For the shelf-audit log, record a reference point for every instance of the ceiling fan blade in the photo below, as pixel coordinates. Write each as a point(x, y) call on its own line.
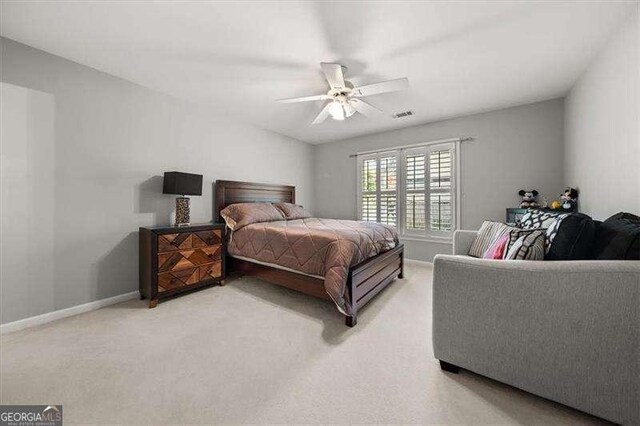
point(304, 99)
point(364, 108)
point(323, 114)
point(382, 87)
point(334, 75)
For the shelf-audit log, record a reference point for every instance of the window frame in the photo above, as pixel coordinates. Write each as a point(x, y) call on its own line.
point(401, 189)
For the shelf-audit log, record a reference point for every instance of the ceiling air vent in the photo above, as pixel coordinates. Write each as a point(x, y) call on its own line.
point(403, 114)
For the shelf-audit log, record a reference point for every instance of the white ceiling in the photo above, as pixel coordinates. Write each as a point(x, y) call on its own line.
point(460, 57)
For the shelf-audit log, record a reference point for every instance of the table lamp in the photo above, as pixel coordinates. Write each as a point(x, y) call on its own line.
point(182, 184)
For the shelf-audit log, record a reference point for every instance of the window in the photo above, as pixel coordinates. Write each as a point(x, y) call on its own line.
point(412, 188)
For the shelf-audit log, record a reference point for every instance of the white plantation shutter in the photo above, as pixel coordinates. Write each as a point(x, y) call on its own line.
point(369, 185)
point(415, 208)
point(440, 187)
point(415, 179)
point(413, 188)
point(440, 214)
point(388, 189)
point(378, 201)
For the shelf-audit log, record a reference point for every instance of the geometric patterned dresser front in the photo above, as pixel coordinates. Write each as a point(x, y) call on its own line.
point(178, 259)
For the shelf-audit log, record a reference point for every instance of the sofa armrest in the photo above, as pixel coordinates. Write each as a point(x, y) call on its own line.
point(565, 330)
point(462, 241)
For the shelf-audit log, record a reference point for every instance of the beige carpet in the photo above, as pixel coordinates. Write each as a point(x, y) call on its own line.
point(251, 352)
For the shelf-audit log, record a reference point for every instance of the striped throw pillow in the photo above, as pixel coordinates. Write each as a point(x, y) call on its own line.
point(489, 232)
point(526, 245)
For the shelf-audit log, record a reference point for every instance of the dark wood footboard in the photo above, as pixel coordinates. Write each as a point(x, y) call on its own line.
point(365, 279)
point(371, 276)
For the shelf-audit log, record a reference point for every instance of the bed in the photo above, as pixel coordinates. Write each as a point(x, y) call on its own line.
point(361, 281)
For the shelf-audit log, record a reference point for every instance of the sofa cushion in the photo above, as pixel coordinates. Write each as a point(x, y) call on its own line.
point(618, 238)
point(526, 245)
point(489, 232)
point(573, 239)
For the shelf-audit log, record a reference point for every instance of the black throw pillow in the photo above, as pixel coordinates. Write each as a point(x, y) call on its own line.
point(574, 239)
point(618, 238)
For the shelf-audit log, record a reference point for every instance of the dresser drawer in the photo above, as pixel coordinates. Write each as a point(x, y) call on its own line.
point(184, 259)
point(185, 277)
point(189, 240)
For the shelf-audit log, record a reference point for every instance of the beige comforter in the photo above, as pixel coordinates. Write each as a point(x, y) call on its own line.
point(323, 247)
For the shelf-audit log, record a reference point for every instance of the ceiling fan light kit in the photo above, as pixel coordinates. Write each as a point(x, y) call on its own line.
point(344, 97)
point(336, 110)
point(340, 108)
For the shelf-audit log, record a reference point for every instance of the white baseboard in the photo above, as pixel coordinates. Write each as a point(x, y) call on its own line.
point(64, 313)
point(418, 262)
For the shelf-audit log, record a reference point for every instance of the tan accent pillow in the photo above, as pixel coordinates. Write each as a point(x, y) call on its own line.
point(526, 245)
point(242, 214)
point(292, 211)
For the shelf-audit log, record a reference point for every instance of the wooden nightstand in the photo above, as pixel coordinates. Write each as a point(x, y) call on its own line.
point(174, 260)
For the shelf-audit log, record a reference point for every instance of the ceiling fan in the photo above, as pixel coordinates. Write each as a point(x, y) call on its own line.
point(344, 97)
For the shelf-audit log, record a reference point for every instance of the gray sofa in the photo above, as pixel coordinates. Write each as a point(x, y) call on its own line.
point(566, 330)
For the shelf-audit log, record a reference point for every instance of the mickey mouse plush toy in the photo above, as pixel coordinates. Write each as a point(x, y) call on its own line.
point(569, 199)
point(528, 199)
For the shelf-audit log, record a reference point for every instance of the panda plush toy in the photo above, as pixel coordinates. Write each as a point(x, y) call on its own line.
point(528, 199)
point(569, 199)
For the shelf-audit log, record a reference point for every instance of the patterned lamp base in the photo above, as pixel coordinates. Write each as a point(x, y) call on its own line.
point(183, 211)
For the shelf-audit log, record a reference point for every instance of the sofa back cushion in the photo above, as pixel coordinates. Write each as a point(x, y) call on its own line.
point(573, 239)
point(618, 238)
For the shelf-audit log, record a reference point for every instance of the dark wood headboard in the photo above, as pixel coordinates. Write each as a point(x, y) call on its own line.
point(230, 192)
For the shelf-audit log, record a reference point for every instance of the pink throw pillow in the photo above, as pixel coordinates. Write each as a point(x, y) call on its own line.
point(496, 250)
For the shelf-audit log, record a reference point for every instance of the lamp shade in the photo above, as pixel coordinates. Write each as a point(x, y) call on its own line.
point(182, 183)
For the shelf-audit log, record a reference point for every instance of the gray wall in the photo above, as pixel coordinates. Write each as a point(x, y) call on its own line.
point(515, 148)
point(82, 156)
point(83, 152)
point(602, 142)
